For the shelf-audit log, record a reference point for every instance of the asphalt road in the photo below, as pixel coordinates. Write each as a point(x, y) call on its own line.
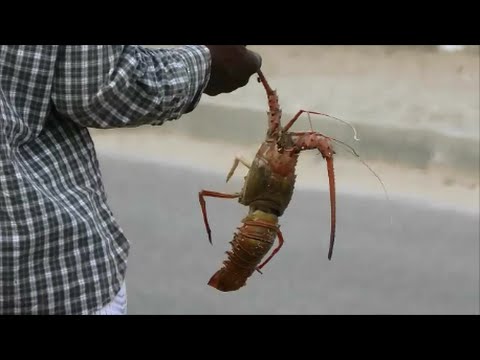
point(426, 262)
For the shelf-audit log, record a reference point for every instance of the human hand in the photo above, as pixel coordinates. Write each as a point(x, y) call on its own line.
point(232, 66)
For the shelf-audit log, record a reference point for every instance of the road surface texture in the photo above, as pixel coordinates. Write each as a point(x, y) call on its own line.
point(424, 262)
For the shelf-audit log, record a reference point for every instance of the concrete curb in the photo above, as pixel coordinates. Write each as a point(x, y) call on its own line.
point(418, 149)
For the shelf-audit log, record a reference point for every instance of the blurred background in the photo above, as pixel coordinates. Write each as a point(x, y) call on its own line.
point(416, 111)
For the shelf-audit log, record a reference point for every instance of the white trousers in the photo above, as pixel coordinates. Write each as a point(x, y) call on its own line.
point(118, 306)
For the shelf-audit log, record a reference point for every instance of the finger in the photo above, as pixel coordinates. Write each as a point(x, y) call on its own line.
point(253, 62)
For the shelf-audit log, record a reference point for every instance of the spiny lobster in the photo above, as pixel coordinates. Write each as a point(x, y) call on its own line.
point(267, 191)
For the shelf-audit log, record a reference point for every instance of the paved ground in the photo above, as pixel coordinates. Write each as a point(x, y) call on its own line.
point(426, 262)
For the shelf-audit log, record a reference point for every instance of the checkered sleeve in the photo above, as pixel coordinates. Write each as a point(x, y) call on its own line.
point(111, 86)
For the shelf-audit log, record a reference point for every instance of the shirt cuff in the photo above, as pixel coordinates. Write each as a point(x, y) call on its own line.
point(199, 59)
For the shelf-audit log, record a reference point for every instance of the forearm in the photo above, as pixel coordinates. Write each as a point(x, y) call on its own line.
point(126, 86)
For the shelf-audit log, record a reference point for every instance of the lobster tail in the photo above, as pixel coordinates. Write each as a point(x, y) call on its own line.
point(220, 282)
point(250, 244)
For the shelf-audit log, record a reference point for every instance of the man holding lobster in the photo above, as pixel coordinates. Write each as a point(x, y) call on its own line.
point(61, 249)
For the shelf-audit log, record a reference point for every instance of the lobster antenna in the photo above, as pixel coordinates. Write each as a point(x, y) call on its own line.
point(268, 89)
point(355, 137)
point(352, 151)
point(310, 121)
point(263, 80)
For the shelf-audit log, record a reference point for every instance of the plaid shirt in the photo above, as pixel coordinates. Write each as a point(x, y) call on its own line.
point(61, 250)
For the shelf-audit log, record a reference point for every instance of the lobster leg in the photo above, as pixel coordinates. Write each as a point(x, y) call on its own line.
point(236, 161)
point(207, 193)
point(310, 141)
point(280, 244)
